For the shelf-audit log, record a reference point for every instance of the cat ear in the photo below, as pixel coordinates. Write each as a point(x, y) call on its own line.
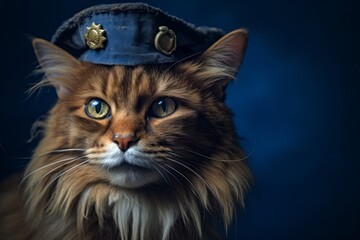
point(220, 62)
point(57, 64)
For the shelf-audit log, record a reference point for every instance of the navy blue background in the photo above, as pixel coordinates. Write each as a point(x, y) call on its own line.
point(295, 104)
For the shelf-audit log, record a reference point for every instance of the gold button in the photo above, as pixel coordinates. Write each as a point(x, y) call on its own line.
point(95, 36)
point(165, 40)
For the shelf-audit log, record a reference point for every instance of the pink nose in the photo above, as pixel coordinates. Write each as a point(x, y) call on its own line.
point(124, 140)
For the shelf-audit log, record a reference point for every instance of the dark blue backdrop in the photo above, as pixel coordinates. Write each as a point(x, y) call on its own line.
point(295, 104)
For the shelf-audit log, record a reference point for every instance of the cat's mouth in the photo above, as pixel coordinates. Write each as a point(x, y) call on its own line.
point(125, 166)
point(130, 169)
point(129, 175)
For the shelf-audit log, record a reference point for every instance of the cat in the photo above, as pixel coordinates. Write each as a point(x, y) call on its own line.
point(141, 152)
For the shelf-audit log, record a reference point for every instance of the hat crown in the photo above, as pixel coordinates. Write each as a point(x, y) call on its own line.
point(131, 34)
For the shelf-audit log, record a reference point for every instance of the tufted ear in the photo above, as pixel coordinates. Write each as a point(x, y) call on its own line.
point(220, 62)
point(58, 65)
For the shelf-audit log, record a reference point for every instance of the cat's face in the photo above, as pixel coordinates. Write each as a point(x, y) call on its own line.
point(146, 124)
point(135, 122)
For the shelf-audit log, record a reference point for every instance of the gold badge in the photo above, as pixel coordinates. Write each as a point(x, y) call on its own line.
point(165, 40)
point(95, 36)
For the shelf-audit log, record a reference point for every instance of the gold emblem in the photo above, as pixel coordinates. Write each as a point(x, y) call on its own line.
point(165, 40)
point(95, 36)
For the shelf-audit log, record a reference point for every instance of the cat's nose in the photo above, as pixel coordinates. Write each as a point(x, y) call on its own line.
point(124, 140)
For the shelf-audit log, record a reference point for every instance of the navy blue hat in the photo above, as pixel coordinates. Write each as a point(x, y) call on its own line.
point(131, 34)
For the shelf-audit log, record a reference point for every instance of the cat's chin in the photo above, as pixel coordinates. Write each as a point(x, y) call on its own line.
point(131, 176)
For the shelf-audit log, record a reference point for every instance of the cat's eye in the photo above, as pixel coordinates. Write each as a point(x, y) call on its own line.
point(163, 107)
point(97, 108)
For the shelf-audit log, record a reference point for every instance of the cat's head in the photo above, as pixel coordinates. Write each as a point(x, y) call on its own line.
point(150, 124)
point(153, 144)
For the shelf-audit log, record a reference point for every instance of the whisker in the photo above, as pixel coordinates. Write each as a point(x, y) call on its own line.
point(184, 160)
point(62, 174)
point(195, 189)
point(189, 168)
point(67, 161)
point(60, 167)
point(197, 192)
point(181, 60)
point(214, 159)
point(62, 151)
point(158, 171)
point(81, 166)
point(162, 175)
point(45, 166)
point(169, 173)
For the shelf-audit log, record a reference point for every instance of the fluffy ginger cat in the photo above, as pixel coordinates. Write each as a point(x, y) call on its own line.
point(131, 152)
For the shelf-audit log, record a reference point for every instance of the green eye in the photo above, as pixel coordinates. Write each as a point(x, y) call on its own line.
point(163, 107)
point(97, 108)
